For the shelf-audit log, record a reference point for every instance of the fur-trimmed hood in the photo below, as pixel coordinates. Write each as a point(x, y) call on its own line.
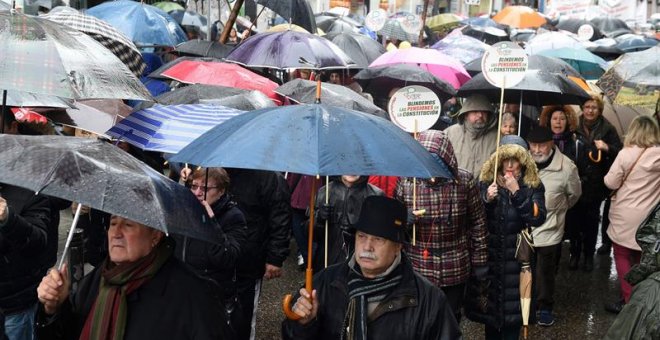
point(530, 172)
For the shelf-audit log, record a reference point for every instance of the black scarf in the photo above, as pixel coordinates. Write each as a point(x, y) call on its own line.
point(562, 139)
point(361, 292)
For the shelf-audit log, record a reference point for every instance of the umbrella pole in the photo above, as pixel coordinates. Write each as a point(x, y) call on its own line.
point(286, 303)
point(2, 113)
point(499, 128)
point(67, 246)
point(327, 200)
point(414, 227)
point(520, 114)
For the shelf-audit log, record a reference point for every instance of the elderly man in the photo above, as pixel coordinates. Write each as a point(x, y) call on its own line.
point(376, 294)
point(475, 135)
point(562, 190)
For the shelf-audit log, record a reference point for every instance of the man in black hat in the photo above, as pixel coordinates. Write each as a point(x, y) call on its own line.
point(375, 294)
point(562, 190)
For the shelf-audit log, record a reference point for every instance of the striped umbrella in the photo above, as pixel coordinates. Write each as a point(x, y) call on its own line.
point(170, 128)
point(102, 32)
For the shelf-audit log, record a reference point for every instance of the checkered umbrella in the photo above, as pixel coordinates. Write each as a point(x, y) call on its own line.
point(393, 29)
point(102, 32)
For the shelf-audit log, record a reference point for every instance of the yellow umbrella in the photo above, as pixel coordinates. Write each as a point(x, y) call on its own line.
point(443, 22)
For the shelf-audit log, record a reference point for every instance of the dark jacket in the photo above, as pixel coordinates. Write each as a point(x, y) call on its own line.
point(264, 199)
point(216, 261)
point(23, 247)
point(174, 304)
point(414, 310)
point(507, 215)
point(592, 173)
point(346, 203)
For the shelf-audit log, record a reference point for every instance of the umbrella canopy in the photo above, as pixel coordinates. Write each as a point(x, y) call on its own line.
point(360, 48)
point(158, 69)
point(169, 128)
point(190, 18)
point(26, 115)
point(102, 176)
point(589, 65)
point(443, 22)
point(610, 52)
point(219, 73)
point(18, 98)
point(636, 43)
point(536, 62)
point(203, 48)
point(193, 94)
point(107, 35)
point(634, 79)
point(573, 25)
point(551, 41)
point(325, 21)
point(489, 35)
point(313, 139)
point(441, 65)
point(252, 100)
point(282, 50)
point(393, 29)
point(538, 88)
point(297, 12)
point(144, 24)
point(168, 6)
point(4, 6)
point(461, 47)
point(380, 80)
point(95, 116)
point(43, 57)
point(304, 91)
point(287, 27)
point(483, 22)
point(611, 27)
point(519, 17)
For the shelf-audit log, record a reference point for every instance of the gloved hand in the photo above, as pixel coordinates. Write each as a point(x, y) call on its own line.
point(414, 215)
point(325, 212)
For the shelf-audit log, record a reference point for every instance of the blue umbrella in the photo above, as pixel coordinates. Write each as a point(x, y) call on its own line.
point(170, 128)
point(636, 43)
point(589, 65)
point(144, 24)
point(483, 22)
point(313, 139)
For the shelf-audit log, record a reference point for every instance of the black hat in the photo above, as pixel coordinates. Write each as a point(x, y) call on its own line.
point(540, 134)
point(383, 217)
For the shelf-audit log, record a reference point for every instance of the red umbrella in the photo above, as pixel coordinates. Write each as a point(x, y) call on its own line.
point(26, 115)
point(223, 74)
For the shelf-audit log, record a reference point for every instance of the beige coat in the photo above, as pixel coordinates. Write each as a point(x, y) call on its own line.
point(472, 150)
point(637, 196)
point(562, 191)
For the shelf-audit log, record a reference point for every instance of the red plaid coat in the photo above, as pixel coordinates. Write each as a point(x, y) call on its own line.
point(453, 229)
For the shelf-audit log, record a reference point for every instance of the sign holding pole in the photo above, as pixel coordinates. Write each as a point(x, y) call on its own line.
point(504, 66)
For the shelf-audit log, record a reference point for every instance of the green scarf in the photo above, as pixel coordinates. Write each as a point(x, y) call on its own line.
point(107, 318)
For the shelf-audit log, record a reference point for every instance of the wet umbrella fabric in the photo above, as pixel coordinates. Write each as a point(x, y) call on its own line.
point(203, 48)
point(193, 94)
point(168, 6)
point(104, 177)
point(95, 116)
point(573, 25)
point(102, 32)
point(190, 18)
point(380, 80)
point(252, 100)
point(538, 88)
point(360, 48)
point(611, 27)
point(487, 34)
point(282, 50)
point(589, 65)
point(325, 21)
point(27, 99)
point(636, 43)
point(536, 62)
point(44, 57)
point(297, 12)
point(313, 139)
point(461, 47)
point(169, 128)
point(158, 72)
point(551, 40)
point(483, 22)
point(144, 24)
point(443, 22)
point(519, 17)
point(304, 91)
point(393, 29)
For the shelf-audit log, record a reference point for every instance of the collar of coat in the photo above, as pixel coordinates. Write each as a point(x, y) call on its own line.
point(529, 170)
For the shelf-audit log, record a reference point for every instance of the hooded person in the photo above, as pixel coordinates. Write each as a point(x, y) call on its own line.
point(514, 200)
point(451, 235)
point(474, 138)
point(375, 294)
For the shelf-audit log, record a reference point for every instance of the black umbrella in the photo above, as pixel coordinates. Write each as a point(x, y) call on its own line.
point(102, 176)
point(473, 67)
point(573, 25)
point(325, 21)
point(489, 35)
point(535, 62)
point(195, 93)
point(296, 12)
point(203, 48)
point(360, 48)
point(538, 88)
point(606, 52)
point(304, 91)
point(635, 43)
point(379, 81)
point(251, 100)
point(611, 27)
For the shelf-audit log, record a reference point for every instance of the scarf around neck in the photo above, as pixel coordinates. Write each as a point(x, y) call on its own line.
point(107, 318)
point(561, 139)
point(362, 291)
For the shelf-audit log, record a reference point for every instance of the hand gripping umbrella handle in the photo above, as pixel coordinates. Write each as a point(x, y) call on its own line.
point(287, 302)
point(597, 160)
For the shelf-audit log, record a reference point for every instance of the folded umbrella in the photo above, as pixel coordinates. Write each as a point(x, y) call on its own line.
point(168, 128)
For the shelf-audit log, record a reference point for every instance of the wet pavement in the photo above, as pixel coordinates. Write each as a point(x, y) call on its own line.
point(579, 299)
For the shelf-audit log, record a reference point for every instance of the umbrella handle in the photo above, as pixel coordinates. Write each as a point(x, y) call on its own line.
point(287, 302)
point(596, 160)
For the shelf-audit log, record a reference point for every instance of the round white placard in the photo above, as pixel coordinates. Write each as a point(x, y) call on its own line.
point(414, 108)
point(375, 20)
point(504, 64)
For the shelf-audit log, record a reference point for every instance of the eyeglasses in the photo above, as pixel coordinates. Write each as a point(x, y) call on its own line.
point(194, 187)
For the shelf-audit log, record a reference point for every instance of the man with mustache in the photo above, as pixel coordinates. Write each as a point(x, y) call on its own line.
point(562, 190)
point(375, 294)
point(475, 136)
